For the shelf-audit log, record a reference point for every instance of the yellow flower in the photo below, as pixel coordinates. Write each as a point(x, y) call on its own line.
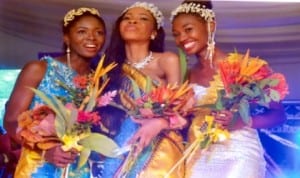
point(71, 141)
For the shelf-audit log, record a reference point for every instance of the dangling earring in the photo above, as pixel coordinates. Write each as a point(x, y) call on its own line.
point(210, 45)
point(68, 51)
point(152, 37)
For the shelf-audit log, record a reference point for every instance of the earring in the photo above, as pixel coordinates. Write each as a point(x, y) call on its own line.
point(210, 45)
point(68, 51)
point(152, 37)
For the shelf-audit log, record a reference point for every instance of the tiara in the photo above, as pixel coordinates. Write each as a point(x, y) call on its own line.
point(157, 14)
point(204, 12)
point(78, 12)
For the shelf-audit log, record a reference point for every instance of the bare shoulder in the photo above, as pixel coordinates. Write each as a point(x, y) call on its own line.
point(34, 69)
point(168, 57)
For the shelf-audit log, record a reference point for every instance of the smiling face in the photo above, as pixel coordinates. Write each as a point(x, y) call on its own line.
point(137, 24)
point(86, 37)
point(190, 33)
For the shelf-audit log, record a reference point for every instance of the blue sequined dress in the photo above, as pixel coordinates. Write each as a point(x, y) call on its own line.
point(55, 71)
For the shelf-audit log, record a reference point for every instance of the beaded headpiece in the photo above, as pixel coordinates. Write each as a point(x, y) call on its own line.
point(205, 13)
point(78, 12)
point(157, 14)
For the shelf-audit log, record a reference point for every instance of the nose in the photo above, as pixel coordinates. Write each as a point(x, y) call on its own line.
point(132, 21)
point(91, 35)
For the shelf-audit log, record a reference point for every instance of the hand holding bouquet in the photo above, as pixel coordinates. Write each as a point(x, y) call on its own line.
point(68, 121)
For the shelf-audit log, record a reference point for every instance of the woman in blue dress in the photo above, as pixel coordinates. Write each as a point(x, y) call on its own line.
point(83, 36)
point(137, 46)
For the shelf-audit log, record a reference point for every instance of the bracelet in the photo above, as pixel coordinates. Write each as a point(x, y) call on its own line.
point(43, 154)
point(6, 160)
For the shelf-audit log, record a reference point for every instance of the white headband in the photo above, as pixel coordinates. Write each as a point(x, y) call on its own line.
point(205, 13)
point(157, 14)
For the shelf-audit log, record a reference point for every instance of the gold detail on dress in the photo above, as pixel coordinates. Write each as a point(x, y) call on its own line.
point(168, 150)
point(29, 161)
point(166, 153)
point(209, 98)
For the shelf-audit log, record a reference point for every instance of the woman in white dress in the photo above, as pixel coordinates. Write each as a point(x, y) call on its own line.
point(193, 27)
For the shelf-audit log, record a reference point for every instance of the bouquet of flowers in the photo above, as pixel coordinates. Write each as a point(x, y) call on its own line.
point(69, 124)
point(247, 81)
point(171, 102)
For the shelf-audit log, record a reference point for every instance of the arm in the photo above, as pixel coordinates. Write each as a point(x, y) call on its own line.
point(150, 128)
point(170, 64)
point(275, 115)
point(21, 97)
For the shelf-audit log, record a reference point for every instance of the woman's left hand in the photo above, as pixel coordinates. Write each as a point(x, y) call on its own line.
point(224, 119)
point(149, 129)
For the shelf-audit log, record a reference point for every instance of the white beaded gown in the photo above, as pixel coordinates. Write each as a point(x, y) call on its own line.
point(239, 157)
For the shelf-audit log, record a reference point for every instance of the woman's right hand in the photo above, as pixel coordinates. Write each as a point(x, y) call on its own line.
point(149, 129)
point(60, 158)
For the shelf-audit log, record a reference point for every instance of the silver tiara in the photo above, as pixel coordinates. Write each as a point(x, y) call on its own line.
point(78, 12)
point(157, 14)
point(205, 13)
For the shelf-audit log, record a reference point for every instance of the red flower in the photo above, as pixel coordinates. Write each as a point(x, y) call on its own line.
point(282, 86)
point(81, 81)
point(88, 117)
point(262, 73)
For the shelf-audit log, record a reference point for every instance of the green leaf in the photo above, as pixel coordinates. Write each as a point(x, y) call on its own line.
point(92, 100)
point(183, 65)
point(219, 101)
point(244, 111)
point(61, 108)
point(60, 126)
point(83, 158)
point(149, 85)
point(47, 100)
point(273, 82)
point(248, 91)
point(136, 89)
point(72, 120)
point(274, 95)
point(100, 143)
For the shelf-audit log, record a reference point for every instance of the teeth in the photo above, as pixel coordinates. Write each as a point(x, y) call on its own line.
point(188, 45)
point(90, 45)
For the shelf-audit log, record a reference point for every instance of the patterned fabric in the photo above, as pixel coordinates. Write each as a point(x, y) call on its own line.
point(241, 156)
point(156, 159)
point(31, 164)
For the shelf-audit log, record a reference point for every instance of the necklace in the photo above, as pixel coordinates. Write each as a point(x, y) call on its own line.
point(142, 63)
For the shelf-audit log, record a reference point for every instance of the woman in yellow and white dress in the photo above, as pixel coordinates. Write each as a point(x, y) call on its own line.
point(193, 27)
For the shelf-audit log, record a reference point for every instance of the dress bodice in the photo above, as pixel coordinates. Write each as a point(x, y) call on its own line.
point(56, 71)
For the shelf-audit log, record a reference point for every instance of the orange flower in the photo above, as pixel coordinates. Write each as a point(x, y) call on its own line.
point(36, 128)
point(264, 72)
point(161, 94)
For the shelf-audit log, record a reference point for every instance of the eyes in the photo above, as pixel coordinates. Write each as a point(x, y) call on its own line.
point(185, 30)
point(140, 17)
point(85, 32)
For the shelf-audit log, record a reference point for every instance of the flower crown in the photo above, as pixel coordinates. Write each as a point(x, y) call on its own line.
point(69, 17)
point(205, 13)
point(157, 14)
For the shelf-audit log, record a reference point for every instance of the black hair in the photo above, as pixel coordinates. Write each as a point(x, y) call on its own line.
point(115, 52)
point(207, 4)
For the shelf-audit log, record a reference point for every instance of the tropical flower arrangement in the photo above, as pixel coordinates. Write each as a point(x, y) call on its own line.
point(171, 102)
point(69, 124)
point(247, 82)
